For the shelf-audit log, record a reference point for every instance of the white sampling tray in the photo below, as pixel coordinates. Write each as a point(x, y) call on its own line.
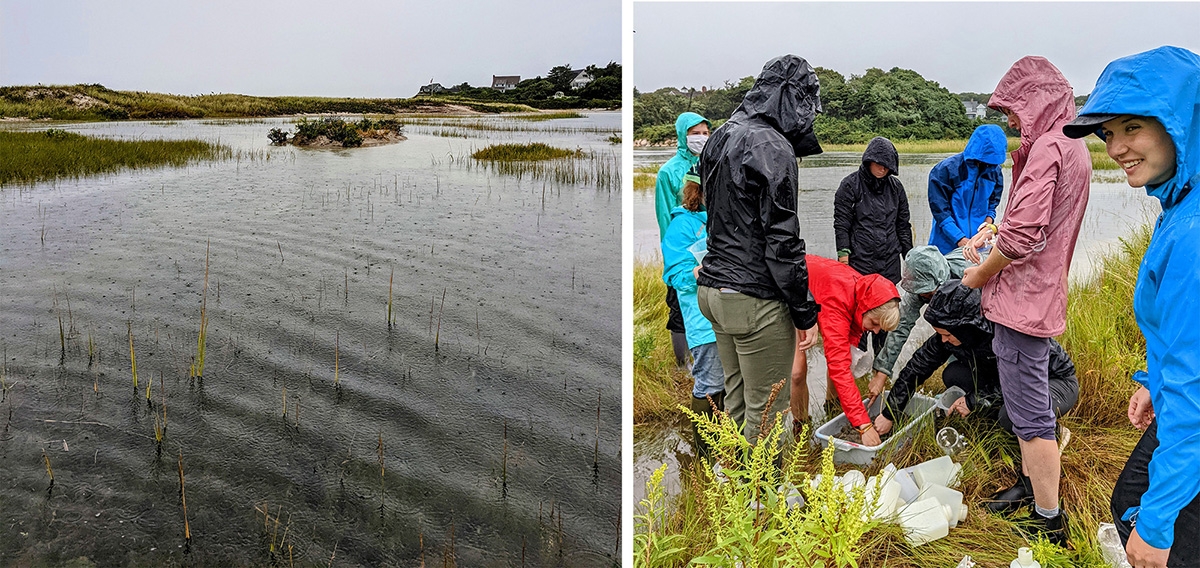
point(920, 410)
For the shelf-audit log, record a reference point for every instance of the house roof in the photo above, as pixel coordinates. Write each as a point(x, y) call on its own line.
point(505, 80)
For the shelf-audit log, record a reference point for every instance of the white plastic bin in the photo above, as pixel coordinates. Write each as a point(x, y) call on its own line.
point(920, 408)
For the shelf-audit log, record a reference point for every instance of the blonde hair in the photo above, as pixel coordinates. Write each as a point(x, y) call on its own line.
point(888, 315)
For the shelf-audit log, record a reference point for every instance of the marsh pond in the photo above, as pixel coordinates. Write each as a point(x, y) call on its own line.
point(410, 356)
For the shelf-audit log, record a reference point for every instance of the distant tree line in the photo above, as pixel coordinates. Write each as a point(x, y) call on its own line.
point(899, 104)
point(603, 91)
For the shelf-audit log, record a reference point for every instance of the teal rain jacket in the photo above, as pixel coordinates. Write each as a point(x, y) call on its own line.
point(965, 189)
point(925, 269)
point(1165, 83)
point(686, 229)
point(668, 185)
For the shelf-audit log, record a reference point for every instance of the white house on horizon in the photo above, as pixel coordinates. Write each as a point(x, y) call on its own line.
point(975, 109)
point(581, 80)
point(505, 82)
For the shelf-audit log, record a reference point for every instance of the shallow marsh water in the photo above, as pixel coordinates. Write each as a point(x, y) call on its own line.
point(500, 443)
point(1113, 210)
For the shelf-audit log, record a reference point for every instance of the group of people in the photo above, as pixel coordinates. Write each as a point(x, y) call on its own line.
point(748, 301)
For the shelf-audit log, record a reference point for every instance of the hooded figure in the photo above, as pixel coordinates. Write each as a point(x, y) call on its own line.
point(1164, 83)
point(754, 279)
point(845, 295)
point(965, 189)
point(668, 183)
point(1051, 179)
point(870, 214)
point(955, 308)
point(925, 269)
point(668, 193)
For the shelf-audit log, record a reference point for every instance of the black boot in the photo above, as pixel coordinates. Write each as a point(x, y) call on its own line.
point(1012, 499)
point(702, 407)
point(1053, 529)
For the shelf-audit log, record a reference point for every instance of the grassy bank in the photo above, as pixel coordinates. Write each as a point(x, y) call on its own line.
point(1105, 344)
point(32, 157)
point(95, 102)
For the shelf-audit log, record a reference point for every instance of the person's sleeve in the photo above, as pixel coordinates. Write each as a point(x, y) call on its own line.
point(843, 215)
point(774, 171)
point(927, 358)
point(1173, 480)
point(1028, 213)
point(666, 197)
point(835, 328)
point(910, 310)
point(997, 193)
point(903, 221)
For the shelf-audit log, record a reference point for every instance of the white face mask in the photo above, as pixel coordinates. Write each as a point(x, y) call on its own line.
point(695, 143)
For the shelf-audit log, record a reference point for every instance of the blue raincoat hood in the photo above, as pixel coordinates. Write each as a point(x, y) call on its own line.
point(988, 145)
point(683, 123)
point(1163, 83)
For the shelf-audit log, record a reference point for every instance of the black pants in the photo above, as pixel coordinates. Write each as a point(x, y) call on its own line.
point(1063, 393)
point(674, 314)
point(1133, 482)
point(878, 339)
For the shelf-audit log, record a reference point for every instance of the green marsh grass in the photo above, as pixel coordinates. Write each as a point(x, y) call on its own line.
point(644, 182)
point(197, 369)
point(547, 116)
point(524, 152)
point(132, 357)
point(1106, 346)
point(32, 157)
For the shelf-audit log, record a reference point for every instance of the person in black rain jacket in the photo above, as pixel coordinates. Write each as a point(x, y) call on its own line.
point(753, 283)
point(870, 214)
point(963, 332)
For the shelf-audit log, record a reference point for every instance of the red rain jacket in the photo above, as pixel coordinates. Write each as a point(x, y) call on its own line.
point(844, 296)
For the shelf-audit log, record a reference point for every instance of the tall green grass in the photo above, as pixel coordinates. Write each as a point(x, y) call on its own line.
point(523, 152)
point(1102, 338)
point(31, 157)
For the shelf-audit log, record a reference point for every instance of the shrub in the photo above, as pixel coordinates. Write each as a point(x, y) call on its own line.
point(278, 136)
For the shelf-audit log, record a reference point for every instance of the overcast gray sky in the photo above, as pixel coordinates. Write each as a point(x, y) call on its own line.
point(964, 46)
point(367, 48)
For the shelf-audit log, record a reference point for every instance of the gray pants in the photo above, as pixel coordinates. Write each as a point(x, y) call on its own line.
point(757, 342)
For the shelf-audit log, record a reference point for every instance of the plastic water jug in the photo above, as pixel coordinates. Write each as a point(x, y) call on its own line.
point(1024, 559)
point(940, 471)
point(948, 497)
point(924, 521)
point(908, 487)
point(885, 491)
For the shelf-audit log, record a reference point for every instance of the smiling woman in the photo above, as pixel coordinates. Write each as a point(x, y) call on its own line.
point(1142, 147)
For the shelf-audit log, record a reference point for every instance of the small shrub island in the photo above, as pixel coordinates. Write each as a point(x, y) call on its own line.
point(335, 132)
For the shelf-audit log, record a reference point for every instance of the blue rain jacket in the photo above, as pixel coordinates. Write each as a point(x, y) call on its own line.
point(686, 228)
point(965, 189)
point(668, 184)
point(1164, 83)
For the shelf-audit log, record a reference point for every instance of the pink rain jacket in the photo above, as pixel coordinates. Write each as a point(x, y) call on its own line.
point(1052, 176)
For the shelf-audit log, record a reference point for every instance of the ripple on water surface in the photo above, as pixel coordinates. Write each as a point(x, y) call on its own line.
point(483, 397)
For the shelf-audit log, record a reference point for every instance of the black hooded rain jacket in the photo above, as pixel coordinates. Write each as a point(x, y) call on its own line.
point(749, 174)
point(956, 309)
point(870, 215)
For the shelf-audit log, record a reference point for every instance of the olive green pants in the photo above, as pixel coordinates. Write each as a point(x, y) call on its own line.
point(757, 342)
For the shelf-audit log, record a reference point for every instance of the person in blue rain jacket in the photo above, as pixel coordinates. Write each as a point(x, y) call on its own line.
point(691, 133)
point(1146, 107)
point(684, 236)
point(965, 189)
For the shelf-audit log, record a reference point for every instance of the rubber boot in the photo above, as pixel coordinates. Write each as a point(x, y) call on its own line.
point(1052, 529)
point(702, 407)
point(1012, 499)
point(679, 345)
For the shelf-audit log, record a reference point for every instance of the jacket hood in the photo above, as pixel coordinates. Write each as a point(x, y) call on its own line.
point(924, 270)
point(683, 123)
point(881, 151)
point(1163, 83)
point(870, 292)
point(1034, 90)
point(957, 309)
point(786, 96)
point(988, 145)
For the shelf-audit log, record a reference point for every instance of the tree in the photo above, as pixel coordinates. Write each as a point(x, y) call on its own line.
point(603, 88)
point(560, 77)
